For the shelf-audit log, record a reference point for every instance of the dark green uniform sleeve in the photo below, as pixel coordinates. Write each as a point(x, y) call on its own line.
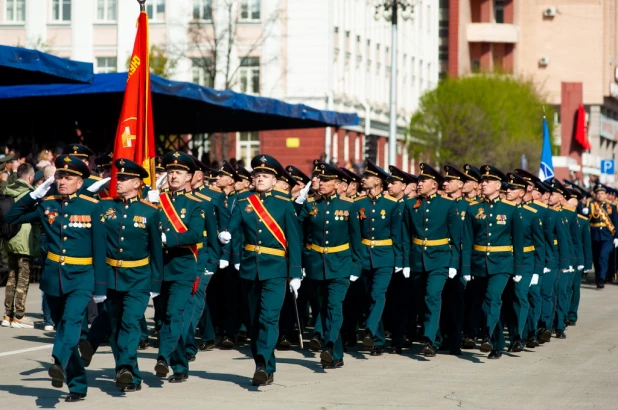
point(194, 234)
point(212, 231)
point(576, 238)
point(156, 253)
point(454, 227)
point(355, 240)
point(564, 259)
point(538, 239)
point(397, 235)
point(293, 236)
point(23, 211)
point(405, 234)
point(587, 243)
point(99, 249)
point(517, 233)
point(467, 237)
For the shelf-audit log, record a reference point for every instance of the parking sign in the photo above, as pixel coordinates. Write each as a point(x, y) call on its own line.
point(607, 166)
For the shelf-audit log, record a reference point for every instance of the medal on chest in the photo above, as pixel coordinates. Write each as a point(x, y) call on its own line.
point(183, 212)
point(248, 208)
point(501, 219)
point(480, 214)
point(361, 214)
point(314, 210)
point(51, 215)
point(383, 213)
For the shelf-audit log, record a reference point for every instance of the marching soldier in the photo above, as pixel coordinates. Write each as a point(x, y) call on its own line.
point(493, 252)
point(329, 221)
point(270, 256)
point(603, 233)
point(134, 265)
point(380, 221)
point(92, 184)
point(75, 264)
point(182, 223)
point(516, 294)
point(302, 180)
point(353, 183)
point(434, 227)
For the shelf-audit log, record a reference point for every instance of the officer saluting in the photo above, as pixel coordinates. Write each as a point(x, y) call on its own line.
point(270, 255)
point(134, 266)
point(75, 264)
point(182, 222)
point(92, 184)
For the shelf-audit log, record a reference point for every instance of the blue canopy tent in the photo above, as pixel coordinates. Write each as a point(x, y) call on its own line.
point(178, 108)
point(20, 66)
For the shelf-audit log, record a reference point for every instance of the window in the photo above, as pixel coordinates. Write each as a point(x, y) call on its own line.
point(61, 10)
point(201, 69)
point(15, 11)
point(202, 9)
point(250, 75)
point(156, 10)
point(106, 10)
point(250, 10)
point(106, 65)
point(247, 146)
point(499, 11)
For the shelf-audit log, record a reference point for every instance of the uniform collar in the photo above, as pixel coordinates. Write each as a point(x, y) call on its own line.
point(242, 191)
point(264, 195)
point(493, 201)
point(69, 197)
point(130, 200)
point(177, 193)
point(432, 196)
point(470, 199)
point(373, 198)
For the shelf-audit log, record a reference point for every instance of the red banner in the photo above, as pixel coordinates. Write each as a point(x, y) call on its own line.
point(135, 133)
point(580, 129)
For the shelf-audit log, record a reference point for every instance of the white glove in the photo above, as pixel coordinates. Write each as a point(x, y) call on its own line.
point(208, 273)
point(467, 278)
point(160, 181)
point(96, 187)
point(225, 237)
point(294, 286)
point(99, 298)
point(163, 238)
point(397, 270)
point(452, 272)
point(535, 279)
point(302, 195)
point(223, 264)
point(406, 273)
point(571, 269)
point(154, 295)
point(353, 278)
point(516, 278)
point(580, 267)
point(585, 211)
point(153, 197)
point(237, 266)
point(568, 270)
point(546, 270)
point(42, 189)
point(615, 243)
point(304, 273)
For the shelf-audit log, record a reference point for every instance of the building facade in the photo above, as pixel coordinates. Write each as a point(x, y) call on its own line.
point(569, 48)
point(329, 54)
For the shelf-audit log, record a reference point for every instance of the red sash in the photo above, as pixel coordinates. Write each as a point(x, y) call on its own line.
point(268, 220)
point(175, 220)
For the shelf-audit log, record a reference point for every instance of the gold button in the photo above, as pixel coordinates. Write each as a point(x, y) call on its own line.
point(372, 237)
point(166, 251)
point(124, 216)
point(122, 239)
point(64, 227)
point(327, 212)
point(373, 210)
point(66, 215)
point(372, 219)
point(326, 232)
point(326, 221)
point(121, 250)
point(489, 234)
point(259, 242)
point(426, 229)
point(427, 210)
point(123, 227)
point(326, 242)
point(64, 251)
point(489, 224)
point(373, 229)
point(426, 219)
point(126, 207)
point(66, 203)
point(491, 215)
point(259, 230)
point(167, 230)
point(64, 239)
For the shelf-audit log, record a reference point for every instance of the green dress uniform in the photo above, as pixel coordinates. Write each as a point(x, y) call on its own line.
point(265, 266)
point(380, 220)
point(179, 268)
point(584, 224)
point(74, 267)
point(434, 242)
point(516, 295)
point(135, 267)
point(492, 252)
point(334, 232)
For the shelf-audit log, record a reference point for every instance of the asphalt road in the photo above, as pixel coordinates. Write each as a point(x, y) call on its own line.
point(577, 373)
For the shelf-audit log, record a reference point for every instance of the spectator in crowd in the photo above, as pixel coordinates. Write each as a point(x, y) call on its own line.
point(46, 158)
point(21, 248)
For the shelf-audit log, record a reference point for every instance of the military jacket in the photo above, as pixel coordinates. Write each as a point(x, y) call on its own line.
point(179, 263)
point(211, 246)
point(73, 228)
point(574, 236)
point(262, 264)
point(231, 251)
point(557, 253)
point(380, 219)
point(534, 240)
point(434, 233)
point(584, 224)
point(132, 235)
point(599, 230)
point(331, 232)
point(493, 239)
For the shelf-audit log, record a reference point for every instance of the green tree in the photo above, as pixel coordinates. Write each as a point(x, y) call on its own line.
point(480, 119)
point(160, 63)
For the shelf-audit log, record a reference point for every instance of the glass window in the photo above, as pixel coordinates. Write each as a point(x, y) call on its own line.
point(247, 146)
point(61, 10)
point(250, 75)
point(250, 10)
point(201, 69)
point(106, 10)
point(156, 10)
point(106, 65)
point(202, 10)
point(15, 11)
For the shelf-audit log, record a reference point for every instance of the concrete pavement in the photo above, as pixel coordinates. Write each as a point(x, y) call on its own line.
point(577, 373)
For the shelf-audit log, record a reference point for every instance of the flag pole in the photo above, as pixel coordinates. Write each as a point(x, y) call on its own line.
point(142, 5)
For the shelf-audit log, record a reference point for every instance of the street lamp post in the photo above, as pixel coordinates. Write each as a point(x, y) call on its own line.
point(389, 10)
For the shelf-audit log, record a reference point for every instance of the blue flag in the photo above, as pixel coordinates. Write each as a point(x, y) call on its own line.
point(546, 170)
